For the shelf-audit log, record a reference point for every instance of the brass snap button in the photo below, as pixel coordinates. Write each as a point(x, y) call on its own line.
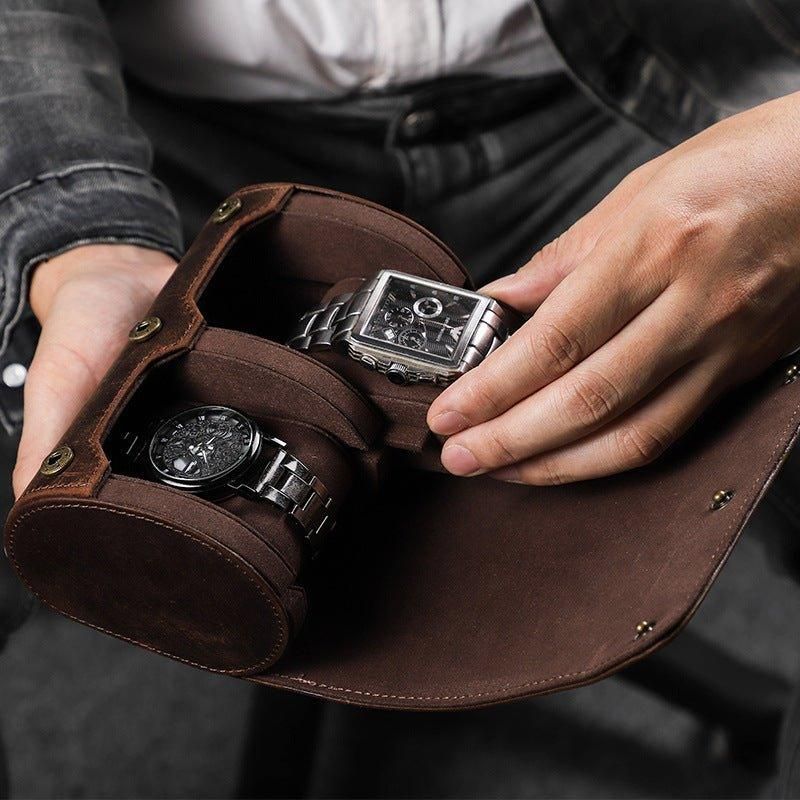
point(57, 461)
point(226, 209)
point(791, 375)
point(644, 627)
point(145, 329)
point(721, 498)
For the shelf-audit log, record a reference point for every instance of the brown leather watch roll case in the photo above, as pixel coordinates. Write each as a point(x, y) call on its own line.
point(433, 591)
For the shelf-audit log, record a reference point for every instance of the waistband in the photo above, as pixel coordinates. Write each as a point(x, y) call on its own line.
point(431, 111)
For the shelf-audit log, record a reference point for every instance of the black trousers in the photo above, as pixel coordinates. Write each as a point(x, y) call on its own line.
point(495, 169)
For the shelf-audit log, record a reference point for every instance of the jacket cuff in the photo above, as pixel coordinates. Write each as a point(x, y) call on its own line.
point(94, 203)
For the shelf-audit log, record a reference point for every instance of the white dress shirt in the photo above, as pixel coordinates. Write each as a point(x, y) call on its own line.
point(315, 49)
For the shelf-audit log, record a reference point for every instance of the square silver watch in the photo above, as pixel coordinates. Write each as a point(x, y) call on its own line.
point(411, 329)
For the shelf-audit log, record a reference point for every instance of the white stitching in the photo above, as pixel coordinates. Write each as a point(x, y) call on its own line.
point(265, 662)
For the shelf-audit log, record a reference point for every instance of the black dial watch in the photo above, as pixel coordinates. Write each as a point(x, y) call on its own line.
point(206, 449)
point(412, 329)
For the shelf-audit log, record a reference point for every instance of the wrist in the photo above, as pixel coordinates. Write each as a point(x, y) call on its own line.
point(143, 265)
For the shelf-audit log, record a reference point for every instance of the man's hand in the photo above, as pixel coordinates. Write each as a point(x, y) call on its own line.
point(86, 300)
point(683, 282)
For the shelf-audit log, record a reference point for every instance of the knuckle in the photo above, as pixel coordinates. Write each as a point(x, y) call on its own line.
point(479, 398)
point(555, 348)
point(728, 304)
point(591, 398)
point(740, 298)
point(640, 444)
point(689, 226)
point(496, 448)
point(555, 253)
point(547, 472)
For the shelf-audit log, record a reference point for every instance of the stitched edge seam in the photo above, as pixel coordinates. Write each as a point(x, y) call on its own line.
point(265, 662)
point(188, 302)
point(509, 688)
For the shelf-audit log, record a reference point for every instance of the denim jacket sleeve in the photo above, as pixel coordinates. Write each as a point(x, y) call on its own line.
point(74, 167)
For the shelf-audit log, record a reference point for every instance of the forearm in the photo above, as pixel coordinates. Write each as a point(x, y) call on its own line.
point(74, 168)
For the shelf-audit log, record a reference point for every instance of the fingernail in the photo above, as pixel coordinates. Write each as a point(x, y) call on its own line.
point(459, 460)
point(447, 423)
point(499, 284)
point(508, 474)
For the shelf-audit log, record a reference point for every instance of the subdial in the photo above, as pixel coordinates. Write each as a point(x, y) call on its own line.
point(412, 338)
point(398, 316)
point(428, 307)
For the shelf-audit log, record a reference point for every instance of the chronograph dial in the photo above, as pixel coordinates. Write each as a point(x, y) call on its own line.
point(411, 329)
point(433, 319)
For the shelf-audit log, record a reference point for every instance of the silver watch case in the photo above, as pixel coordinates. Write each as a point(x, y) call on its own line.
point(396, 362)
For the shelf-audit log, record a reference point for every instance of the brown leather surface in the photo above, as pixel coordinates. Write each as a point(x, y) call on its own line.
point(299, 386)
point(466, 592)
point(155, 582)
point(435, 591)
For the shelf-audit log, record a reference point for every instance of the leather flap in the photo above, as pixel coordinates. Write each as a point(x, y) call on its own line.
point(466, 592)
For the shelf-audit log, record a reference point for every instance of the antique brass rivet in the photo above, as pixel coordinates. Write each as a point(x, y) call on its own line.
point(57, 461)
point(145, 329)
point(226, 209)
point(791, 375)
point(644, 627)
point(721, 498)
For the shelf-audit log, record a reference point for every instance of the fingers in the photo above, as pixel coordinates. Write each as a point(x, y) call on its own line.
point(84, 331)
point(579, 316)
point(631, 441)
point(57, 385)
point(67, 366)
point(527, 288)
point(601, 388)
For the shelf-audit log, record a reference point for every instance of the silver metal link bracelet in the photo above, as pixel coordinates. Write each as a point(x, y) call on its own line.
point(289, 484)
point(277, 476)
point(333, 325)
point(327, 325)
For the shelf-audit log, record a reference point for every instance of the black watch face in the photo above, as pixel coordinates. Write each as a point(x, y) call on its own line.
point(200, 447)
point(426, 321)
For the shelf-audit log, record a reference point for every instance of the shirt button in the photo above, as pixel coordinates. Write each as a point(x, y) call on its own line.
point(14, 375)
point(417, 124)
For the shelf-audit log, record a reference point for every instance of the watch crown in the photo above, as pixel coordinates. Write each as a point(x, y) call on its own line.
point(397, 373)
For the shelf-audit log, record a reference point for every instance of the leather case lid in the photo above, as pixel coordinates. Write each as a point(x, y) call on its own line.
point(438, 592)
point(468, 592)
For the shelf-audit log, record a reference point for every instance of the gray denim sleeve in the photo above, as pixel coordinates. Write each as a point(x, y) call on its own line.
point(74, 167)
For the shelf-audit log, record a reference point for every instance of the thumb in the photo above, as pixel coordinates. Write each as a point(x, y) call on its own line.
point(528, 287)
point(61, 378)
point(80, 339)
